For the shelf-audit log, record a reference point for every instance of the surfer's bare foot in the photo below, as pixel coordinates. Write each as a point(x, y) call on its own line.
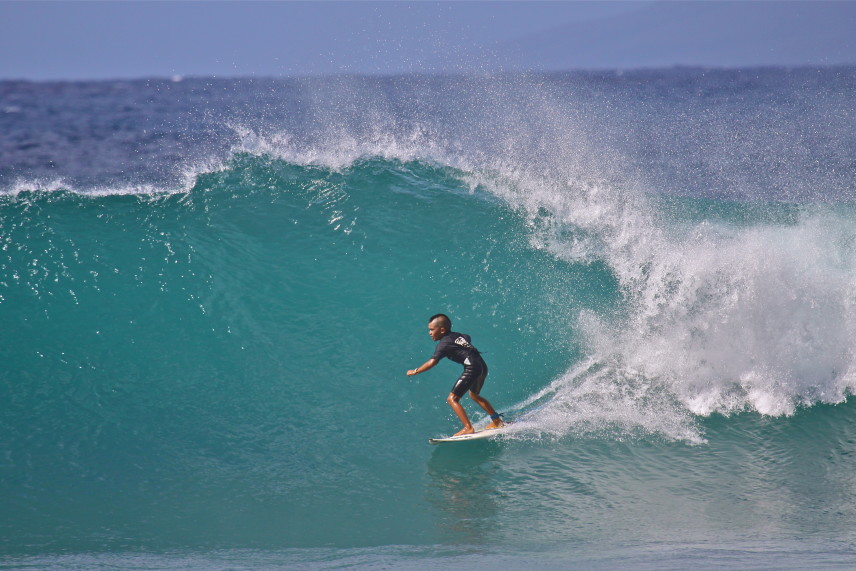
point(494, 424)
point(465, 431)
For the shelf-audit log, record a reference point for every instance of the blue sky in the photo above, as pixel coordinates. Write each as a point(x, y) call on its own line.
point(105, 40)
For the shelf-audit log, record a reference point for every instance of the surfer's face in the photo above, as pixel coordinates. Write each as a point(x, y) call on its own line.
point(436, 331)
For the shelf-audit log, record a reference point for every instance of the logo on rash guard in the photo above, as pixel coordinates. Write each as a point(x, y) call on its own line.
point(462, 342)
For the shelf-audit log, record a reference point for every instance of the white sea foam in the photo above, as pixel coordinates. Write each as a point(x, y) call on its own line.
point(61, 185)
point(758, 318)
point(719, 318)
point(20, 185)
point(342, 148)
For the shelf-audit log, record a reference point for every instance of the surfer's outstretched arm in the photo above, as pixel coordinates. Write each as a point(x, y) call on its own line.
point(429, 364)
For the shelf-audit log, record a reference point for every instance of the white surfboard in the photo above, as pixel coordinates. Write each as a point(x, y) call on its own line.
point(479, 434)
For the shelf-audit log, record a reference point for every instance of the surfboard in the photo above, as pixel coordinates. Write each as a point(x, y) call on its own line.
point(478, 435)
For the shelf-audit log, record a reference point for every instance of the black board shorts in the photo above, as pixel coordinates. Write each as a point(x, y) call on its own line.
point(472, 379)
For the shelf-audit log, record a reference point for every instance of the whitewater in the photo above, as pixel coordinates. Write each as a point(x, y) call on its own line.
point(211, 290)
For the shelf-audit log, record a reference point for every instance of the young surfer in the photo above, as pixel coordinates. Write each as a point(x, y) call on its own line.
point(457, 347)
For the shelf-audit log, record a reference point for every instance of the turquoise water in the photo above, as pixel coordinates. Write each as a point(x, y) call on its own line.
point(211, 373)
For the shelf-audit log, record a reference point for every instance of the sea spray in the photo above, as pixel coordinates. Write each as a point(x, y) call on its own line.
point(717, 316)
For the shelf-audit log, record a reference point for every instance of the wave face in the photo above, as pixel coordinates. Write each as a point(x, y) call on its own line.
point(212, 289)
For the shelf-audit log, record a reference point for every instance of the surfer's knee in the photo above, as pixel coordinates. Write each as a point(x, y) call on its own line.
point(452, 398)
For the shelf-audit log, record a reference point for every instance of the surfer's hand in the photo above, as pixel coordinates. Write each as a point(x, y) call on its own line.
point(412, 372)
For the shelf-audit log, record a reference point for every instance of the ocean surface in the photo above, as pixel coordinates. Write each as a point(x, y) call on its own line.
point(211, 289)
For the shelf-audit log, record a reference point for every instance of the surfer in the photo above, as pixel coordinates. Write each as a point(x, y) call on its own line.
point(457, 347)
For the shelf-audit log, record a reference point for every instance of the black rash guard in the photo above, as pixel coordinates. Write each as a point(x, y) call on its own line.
point(458, 348)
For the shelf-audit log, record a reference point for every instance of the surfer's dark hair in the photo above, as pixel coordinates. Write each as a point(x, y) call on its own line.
point(444, 320)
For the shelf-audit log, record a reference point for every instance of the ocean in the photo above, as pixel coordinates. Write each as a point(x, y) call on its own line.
point(211, 290)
